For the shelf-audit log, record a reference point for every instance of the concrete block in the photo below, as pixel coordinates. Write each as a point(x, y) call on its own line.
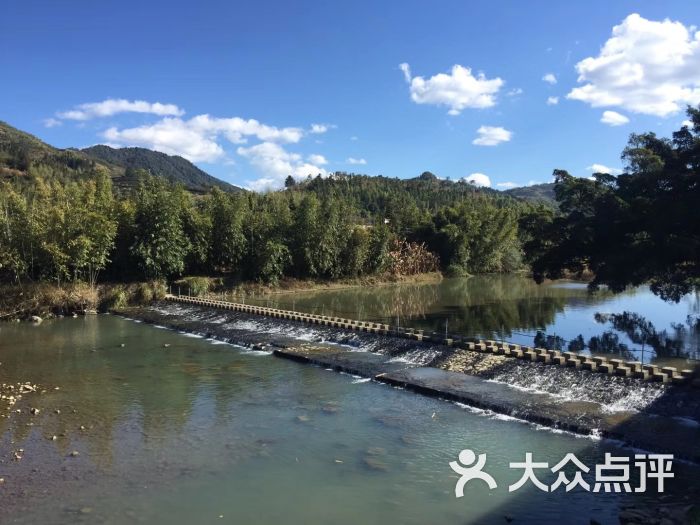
point(599, 360)
point(659, 377)
point(641, 374)
point(589, 365)
point(572, 362)
point(623, 371)
point(670, 371)
point(544, 358)
point(606, 368)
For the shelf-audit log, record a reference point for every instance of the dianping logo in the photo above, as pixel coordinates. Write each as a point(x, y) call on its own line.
point(613, 475)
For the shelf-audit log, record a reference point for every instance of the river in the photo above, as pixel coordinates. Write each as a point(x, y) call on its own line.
point(156, 426)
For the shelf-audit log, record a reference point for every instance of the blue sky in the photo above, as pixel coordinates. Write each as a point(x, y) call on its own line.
point(251, 91)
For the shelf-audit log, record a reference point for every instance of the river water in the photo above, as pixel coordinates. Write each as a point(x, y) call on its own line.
point(511, 308)
point(170, 428)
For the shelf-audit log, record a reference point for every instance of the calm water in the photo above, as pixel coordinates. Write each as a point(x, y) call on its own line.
point(504, 307)
point(200, 432)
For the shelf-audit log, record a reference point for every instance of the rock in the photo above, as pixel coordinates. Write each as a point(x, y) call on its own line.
point(57, 411)
point(82, 427)
point(74, 454)
point(303, 418)
point(34, 411)
point(53, 438)
point(122, 345)
point(86, 510)
point(36, 319)
point(375, 464)
point(2, 480)
point(166, 345)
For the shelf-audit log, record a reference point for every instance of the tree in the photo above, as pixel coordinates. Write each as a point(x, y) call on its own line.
point(641, 226)
point(160, 245)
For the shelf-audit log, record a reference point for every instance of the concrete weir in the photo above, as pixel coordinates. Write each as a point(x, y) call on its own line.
point(665, 420)
point(646, 431)
point(550, 357)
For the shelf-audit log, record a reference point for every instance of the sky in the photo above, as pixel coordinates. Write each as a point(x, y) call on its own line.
point(498, 92)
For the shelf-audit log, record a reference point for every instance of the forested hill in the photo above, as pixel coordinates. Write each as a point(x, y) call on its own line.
point(397, 199)
point(22, 154)
point(175, 169)
point(535, 193)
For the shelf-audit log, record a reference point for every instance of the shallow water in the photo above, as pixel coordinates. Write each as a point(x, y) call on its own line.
point(199, 432)
point(508, 307)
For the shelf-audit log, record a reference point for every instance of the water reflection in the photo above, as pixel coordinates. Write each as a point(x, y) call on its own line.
point(508, 307)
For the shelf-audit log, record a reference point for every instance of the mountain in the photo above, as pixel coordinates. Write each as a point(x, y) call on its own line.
point(535, 193)
point(174, 168)
point(21, 152)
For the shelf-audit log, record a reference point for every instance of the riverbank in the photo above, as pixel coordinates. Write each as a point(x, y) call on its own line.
point(217, 286)
point(40, 301)
point(46, 300)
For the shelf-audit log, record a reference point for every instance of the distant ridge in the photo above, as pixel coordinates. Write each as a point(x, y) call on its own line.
point(172, 167)
point(536, 193)
point(20, 151)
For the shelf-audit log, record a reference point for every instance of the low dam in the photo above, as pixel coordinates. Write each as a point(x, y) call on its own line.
point(603, 365)
point(657, 414)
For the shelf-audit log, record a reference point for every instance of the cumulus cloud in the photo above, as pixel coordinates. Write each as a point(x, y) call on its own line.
point(275, 164)
point(601, 168)
point(52, 122)
point(613, 118)
point(170, 135)
point(552, 101)
point(492, 136)
point(646, 66)
point(315, 158)
point(478, 179)
point(550, 78)
point(318, 129)
point(515, 92)
point(196, 138)
point(353, 160)
point(113, 106)
point(457, 90)
point(506, 185)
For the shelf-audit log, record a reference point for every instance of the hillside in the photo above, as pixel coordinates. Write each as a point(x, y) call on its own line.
point(175, 169)
point(22, 153)
point(535, 193)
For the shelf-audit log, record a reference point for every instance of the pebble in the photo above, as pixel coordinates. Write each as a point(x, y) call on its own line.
point(74, 454)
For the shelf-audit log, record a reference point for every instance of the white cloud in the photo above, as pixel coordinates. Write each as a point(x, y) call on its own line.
point(112, 106)
point(552, 101)
point(550, 78)
point(515, 92)
point(315, 158)
point(688, 123)
point(506, 185)
point(196, 138)
point(354, 137)
point(353, 160)
point(172, 136)
point(457, 90)
point(601, 168)
point(237, 129)
point(52, 122)
point(275, 164)
point(479, 179)
point(613, 118)
point(645, 67)
point(321, 128)
point(491, 136)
